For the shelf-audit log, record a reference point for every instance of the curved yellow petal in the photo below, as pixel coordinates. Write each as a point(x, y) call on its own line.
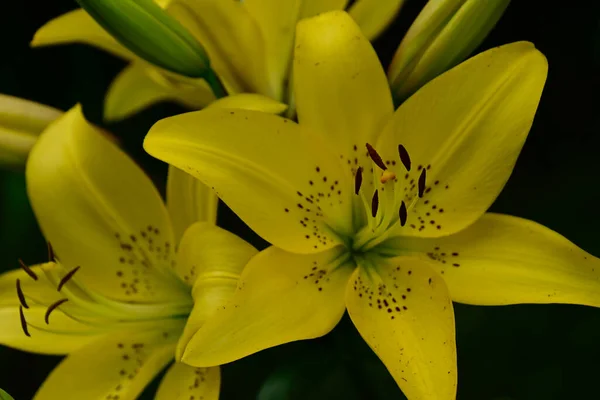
point(63, 336)
point(101, 212)
point(182, 382)
point(21, 121)
point(340, 87)
point(502, 259)
point(140, 85)
point(250, 101)
point(466, 128)
point(374, 16)
point(189, 201)
point(402, 309)
point(282, 181)
point(282, 297)
point(78, 27)
point(116, 366)
point(211, 260)
point(232, 39)
point(277, 21)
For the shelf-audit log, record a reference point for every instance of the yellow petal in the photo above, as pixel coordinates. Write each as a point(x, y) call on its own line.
point(189, 201)
point(402, 309)
point(277, 21)
point(21, 121)
point(340, 87)
point(63, 336)
point(466, 127)
point(101, 212)
point(140, 85)
point(310, 8)
point(117, 366)
point(211, 260)
point(250, 101)
point(282, 181)
point(374, 16)
point(182, 382)
point(78, 27)
point(282, 297)
point(502, 259)
point(232, 39)
point(444, 34)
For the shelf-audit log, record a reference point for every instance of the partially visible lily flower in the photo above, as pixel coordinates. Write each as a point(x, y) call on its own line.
point(249, 44)
point(443, 35)
point(21, 122)
point(126, 285)
point(378, 212)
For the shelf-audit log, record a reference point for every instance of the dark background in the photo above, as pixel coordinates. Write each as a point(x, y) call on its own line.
point(505, 353)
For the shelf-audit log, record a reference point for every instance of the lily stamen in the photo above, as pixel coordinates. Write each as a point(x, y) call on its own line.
point(403, 213)
point(67, 278)
point(376, 157)
point(53, 307)
point(21, 295)
point(23, 322)
point(404, 157)
point(358, 180)
point(422, 178)
point(375, 204)
point(51, 255)
point(28, 270)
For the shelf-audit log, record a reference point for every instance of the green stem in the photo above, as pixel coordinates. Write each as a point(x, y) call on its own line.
point(215, 84)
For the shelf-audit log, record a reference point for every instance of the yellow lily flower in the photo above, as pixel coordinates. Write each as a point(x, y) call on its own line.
point(377, 212)
point(128, 286)
point(21, 121)
point(249, 44)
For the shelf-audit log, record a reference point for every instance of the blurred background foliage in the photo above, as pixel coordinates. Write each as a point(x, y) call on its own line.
point(504, 353)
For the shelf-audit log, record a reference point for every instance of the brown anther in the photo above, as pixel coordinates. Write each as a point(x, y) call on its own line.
point(358, 180)
point(67, 277)
point(375, 204)
point(403, 214)
point(28, 270)
point(21, 295)
point(387, 175)
point(51, 255)
point(422, 179)
point(23, 322)
point(376, 157)
point(53, 307)
point(404, 157)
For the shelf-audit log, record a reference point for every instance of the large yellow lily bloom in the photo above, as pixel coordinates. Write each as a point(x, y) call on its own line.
point(377, 212)
point(128, 284)
point(248, 42)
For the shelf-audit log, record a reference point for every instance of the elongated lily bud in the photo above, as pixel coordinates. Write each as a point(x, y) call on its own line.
point(21, 121)
point(443, 35)
point(5, 396)
point(147, 30)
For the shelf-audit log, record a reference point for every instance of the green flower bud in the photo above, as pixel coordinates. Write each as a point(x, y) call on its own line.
point(443, 35)
point(147, 30)
point(5, 396)
point(21, 122)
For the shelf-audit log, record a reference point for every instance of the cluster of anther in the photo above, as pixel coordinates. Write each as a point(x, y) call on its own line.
point(387, 176)
point(324, 192)
point(133, 357)
point(317, 276)
point(383, 299)
point(23, 301)
point(135, 260)
point(444, 257)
